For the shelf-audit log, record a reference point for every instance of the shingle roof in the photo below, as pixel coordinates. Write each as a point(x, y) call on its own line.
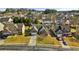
point(10, 27)
point(4, 19)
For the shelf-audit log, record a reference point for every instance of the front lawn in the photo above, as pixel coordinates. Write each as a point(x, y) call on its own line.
point(72, 41)
point(17, 39)
point(47, 40)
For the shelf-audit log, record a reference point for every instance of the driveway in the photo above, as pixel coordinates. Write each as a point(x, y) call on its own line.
point(32, 41)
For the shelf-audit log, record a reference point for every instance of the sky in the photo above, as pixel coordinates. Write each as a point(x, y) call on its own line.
point(2, 9)
point(59, 9)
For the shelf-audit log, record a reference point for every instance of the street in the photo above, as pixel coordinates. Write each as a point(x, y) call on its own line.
point(32, 48)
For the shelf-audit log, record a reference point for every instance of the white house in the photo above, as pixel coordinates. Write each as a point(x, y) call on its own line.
point(23, 29)
point(67, 22)
point(1, 26)
point(10, 20)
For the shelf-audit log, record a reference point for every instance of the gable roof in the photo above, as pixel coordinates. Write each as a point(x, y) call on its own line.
point(4, 19)
point(10, 27)
point(1, 26)
point(34, 29)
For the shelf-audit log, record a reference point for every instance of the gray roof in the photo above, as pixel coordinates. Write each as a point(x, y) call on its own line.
point(10, 27)
point(41, 30)
point(46, 19)
point(33, 30)
point(19, 25)
point(4, 19)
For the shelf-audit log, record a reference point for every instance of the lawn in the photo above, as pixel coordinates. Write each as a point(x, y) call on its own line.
point(47, 40)
point(72, 42)
point(18, 39)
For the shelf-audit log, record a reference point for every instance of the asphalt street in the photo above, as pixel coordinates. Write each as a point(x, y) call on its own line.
point(32, 48)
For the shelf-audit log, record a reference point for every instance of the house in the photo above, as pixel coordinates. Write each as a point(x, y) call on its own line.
point(23, 29)
point(29, 16)
point(6, 19)
point(67, 22)
point(41, 31)
point(1, 29)
point(37, 29)
point(1, 26)
point(59, 21)
point(44, 17)
point(10, 20)
point(47, 22)
point(20, 28)
point(6, 29)
point(10, 28)
point(59, 32)
point(33, 31)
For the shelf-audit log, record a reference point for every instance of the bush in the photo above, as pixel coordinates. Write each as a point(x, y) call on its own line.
point(77, 37)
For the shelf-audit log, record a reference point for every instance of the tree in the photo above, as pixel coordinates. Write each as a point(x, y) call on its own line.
point(50, 11)
point(10, 10)
point(28, 20)
point(17, 20)
point(36, 21)
point(22, 20)
point(47, 11)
